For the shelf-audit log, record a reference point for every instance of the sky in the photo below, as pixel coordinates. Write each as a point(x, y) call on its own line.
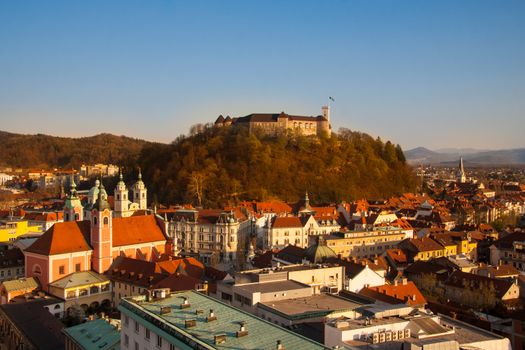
point(438, 74)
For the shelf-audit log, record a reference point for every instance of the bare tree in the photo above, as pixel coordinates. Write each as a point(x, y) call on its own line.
point(196, 185)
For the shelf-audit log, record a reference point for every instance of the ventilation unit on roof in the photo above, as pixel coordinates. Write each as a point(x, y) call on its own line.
point(219, 338)
point(242, 330)
point(190, 323)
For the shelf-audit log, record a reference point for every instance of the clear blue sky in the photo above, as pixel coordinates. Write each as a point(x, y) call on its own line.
point(420, 73)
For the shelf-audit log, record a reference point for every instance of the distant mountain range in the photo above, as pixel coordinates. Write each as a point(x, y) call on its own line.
point(422, 155)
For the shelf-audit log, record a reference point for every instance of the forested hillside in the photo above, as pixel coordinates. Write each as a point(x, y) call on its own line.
point(219, 166)
point(44, 151)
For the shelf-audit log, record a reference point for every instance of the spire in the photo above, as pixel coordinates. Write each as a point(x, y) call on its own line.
point(306, 200)
point(140, 174)
point(73, 188)
point(462, 177)
point(102, 201)
point(120, 174)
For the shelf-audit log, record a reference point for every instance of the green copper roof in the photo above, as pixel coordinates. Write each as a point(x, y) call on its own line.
point(261, 334)
point(96, 335)
point(319, 252)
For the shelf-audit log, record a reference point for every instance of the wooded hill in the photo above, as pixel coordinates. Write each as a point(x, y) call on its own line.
point(219, 166)
point(44, 151)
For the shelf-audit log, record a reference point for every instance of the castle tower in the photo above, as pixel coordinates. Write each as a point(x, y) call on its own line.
point(121, 198)
point(326, 113)
point(73, 210)
point(462, 177)
point(101, 232)
point(140, 193)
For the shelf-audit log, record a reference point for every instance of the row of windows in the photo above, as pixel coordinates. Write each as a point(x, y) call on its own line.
point(147, 336)
point(19, 271)
point(62, 269)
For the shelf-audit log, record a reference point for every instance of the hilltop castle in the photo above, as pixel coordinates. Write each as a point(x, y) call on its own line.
point(272, 124)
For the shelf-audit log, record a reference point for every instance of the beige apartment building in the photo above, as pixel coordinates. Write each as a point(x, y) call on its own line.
point(217, 236)
point(365, 243)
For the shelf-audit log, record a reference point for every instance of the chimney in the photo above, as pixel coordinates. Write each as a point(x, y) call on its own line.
point(280, 345)
point(395, 282)
point(242, 330)
point(211, 316)
point(404, 281)
point(185, 304)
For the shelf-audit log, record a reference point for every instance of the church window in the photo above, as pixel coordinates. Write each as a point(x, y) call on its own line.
point(143, 196)
point(118, 197)
point(106, 221)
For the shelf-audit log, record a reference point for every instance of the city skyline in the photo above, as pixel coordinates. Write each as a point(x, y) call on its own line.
point(434, 74)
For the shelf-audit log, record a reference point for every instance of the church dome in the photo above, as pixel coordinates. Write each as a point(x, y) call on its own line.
point(93, 192)
point(319, 252)
point(102, 201)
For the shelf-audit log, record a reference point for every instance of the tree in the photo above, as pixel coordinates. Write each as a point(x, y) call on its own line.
point(196, 186)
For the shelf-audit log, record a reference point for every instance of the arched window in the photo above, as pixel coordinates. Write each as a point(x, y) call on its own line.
point(106, 221)
point(143, 195)
point(67, 217)
point(37, 270)
point(77, 217)
point(118, 197)
point(94, 220)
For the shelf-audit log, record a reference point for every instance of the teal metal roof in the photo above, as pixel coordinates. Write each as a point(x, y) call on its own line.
point(261, 334)
point(96, 335)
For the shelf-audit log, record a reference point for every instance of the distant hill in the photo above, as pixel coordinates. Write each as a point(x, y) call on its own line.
point(421, 155)
point(221, 166)
point(44, 151)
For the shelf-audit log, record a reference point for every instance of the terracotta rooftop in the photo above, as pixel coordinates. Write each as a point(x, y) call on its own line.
point(74, 236)
point(63, 237)
point(425, 244)
point(396, 294)
point(284, 222)
point(136, 230)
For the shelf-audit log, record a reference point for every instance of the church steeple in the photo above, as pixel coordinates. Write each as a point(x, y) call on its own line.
point(121, 198)
point(140, 192)
point(73, 210)
point(101, 232)
point(461, 177)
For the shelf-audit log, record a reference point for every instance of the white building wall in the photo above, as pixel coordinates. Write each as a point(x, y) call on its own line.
point(367, 277)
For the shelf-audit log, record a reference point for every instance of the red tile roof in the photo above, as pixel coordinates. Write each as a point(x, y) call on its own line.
point(396, 294)
point(425, 244)
point(397, 255)
point(192, 266)
point(74, 236)
point(283, 222)
point(63, 237)
point(136, 230)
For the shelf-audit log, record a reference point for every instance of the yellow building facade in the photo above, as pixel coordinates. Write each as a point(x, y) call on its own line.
point(10, 230)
